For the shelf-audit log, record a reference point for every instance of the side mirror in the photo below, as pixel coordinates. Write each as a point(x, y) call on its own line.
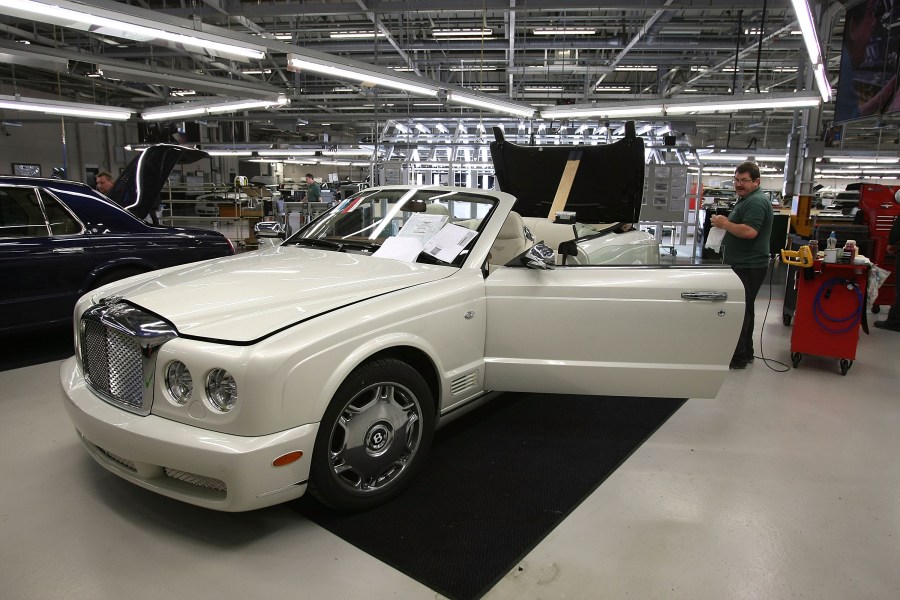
point(539, 256)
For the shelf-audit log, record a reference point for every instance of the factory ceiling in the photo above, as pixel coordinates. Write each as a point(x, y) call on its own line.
point(544, 54)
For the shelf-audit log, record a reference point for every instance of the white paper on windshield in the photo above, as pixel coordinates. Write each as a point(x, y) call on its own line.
point(423, 226)
point(406, 249)
point(446, 244)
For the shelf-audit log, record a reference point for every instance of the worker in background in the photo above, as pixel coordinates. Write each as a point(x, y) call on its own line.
point(313, 191)
point(746, 248)
point(892, 322)
point(104, 182)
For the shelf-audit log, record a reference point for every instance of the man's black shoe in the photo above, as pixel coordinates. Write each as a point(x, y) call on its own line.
point(888, 326)
point(737, 364)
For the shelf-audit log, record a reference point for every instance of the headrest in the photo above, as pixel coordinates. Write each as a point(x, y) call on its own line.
point(513, 227)
point(437, 209)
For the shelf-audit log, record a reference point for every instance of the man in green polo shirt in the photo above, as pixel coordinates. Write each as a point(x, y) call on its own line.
point(313, 190)
point(746, 248)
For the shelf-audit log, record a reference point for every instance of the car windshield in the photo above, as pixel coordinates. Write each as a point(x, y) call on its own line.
point(436, 226)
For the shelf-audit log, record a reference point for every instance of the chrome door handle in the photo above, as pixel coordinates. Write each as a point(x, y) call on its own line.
point(67, 250)
point(707, 296)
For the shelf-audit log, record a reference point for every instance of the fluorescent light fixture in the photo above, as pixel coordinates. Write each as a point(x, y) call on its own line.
point(711, 104)
point(122, 25)
point(715, 104)
point(613, 88)
point(288, 152)
point(190, 109)
point(808, 29)
point(863, 159)
point(610, 110)
point(67, 109)
point(813, 48)
point(256, 71)
point(463, 69)
point(636, 68)
point(329, 67)
point(565, 31)
point(822, 82)
point(230, 152)
point(462, 32)
point(730, 157)
point(486, 88)
point(544, 88)
point(355, 35)
point(488, 103)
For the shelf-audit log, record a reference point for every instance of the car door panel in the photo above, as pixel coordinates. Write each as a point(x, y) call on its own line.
point(612, 330)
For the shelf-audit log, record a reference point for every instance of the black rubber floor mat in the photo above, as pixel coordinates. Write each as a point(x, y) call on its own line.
point(496, 483)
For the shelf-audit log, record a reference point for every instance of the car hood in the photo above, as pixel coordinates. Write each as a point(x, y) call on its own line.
point(146, 174)
point(250, 296)
point(608, 185)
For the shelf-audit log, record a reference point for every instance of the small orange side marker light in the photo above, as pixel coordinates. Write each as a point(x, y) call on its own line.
point(286, 459)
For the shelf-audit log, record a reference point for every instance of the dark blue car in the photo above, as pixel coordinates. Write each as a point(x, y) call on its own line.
point(60, 239)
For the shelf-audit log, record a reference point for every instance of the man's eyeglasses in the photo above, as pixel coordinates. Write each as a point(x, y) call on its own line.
point(736, 180)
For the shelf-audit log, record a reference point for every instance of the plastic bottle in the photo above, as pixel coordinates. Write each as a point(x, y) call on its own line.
point(831, 244)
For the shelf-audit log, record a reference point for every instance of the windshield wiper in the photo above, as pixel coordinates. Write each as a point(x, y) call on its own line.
point(318, 243)
point(371, 246)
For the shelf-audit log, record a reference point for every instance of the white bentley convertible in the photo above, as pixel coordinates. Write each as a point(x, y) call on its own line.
point(326, 363)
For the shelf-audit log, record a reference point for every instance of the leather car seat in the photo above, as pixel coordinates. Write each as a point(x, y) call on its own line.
point(510, 242)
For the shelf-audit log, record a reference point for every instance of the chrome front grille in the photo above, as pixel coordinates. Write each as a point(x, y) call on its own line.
point(119, 343)
point(112, 363)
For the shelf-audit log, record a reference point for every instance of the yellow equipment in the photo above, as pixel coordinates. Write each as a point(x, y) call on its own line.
point(799, 258)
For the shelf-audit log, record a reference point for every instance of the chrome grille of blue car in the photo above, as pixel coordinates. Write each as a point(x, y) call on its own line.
point(119, 343)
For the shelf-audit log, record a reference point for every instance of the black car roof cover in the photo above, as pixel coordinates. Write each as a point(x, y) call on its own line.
point(608, 186)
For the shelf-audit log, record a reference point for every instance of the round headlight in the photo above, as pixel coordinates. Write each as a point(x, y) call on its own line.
point(221, 389)
point(179, 383)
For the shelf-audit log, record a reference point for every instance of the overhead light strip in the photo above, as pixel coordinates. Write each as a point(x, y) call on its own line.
point(190, 109)
point(519, 110)
point(676, 107)
point(121, 25)
point(297, 62)
point(62, 108)
point(813, 48)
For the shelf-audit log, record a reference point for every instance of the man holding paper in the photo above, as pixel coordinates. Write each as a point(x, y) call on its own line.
point(746, 248)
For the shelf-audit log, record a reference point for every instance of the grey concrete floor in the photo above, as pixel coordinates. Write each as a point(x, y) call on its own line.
point(787, 485)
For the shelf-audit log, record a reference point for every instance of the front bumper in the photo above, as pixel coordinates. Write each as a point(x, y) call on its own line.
point(206, 468)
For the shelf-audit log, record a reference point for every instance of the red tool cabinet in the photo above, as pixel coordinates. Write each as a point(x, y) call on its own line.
point(880, 206)
point(831, 299)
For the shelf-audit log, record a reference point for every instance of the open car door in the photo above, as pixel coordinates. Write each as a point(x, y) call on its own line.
point(612, 330)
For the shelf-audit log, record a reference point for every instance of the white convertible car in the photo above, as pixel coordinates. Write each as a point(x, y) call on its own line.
point(326, 363)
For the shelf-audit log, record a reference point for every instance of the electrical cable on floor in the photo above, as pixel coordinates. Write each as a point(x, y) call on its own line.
point(762, 355)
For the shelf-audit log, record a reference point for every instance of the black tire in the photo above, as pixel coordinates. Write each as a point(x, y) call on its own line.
point(795, 359)
point(373, 438)
point(876, 308)
point(845, 365)
point(786, 319)
point(115, 275)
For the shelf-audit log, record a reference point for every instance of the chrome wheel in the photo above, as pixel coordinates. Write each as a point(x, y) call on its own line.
point(373, 436)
